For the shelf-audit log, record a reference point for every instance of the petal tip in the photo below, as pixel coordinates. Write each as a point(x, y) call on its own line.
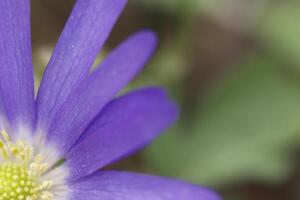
point(149, 36)
point(171, 107)
point(212, 195)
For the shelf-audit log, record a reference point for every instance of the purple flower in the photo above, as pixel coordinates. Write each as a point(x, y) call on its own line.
point(52, 146)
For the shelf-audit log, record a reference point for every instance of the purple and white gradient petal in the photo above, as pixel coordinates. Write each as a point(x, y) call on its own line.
point(112, 185)
point(88, 99)
point(80, 42)
point(61, 141)
point(120, 129)
point(16, 69)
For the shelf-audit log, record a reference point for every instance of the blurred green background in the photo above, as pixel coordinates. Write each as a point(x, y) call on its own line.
point(234, 68)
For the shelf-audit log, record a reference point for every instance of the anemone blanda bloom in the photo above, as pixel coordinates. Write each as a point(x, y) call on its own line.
point(53, 146)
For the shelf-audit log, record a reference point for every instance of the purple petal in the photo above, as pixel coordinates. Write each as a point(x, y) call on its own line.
point(125, 125)
point(94, 93)
point(108, 185)
point(16, 71)
point(86, 30)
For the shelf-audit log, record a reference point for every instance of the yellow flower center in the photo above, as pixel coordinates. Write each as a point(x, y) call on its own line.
point(16, 183)
point(21, 172)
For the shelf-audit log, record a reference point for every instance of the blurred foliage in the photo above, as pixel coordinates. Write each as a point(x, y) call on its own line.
point(279, 30)
point(189, 7)
point(175, 6)
point(244, 129)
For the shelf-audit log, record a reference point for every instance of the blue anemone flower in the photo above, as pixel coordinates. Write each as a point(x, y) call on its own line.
point(55, 145)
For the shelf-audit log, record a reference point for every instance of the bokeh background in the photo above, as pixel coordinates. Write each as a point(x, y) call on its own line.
point(234, 68)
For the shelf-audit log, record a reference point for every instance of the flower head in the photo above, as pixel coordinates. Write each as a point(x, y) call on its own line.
point(53, 145)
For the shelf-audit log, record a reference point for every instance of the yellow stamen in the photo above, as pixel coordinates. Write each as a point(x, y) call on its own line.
point(21, 171)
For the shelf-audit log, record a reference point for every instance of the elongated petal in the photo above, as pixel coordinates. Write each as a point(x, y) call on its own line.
point(109, 185)
point(125, 125)
point(84, 34)
point(94, 93)
point(16, 70)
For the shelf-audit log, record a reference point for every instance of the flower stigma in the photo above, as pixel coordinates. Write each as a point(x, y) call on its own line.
point(21, 171)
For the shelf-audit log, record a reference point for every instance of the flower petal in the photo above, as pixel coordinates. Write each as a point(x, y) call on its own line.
point(109, 185)
point(125, 125)
point(96, 91)
point(16, 69)
point(86, 30)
